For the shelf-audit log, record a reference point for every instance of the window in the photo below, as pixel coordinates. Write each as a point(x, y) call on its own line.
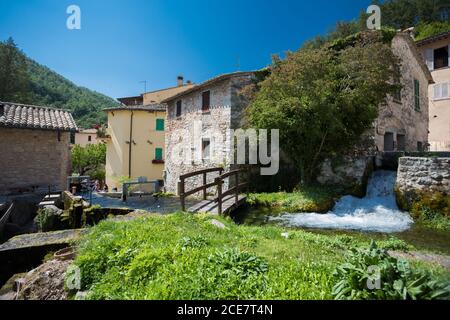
point(159, 154)
point(206, 100)
point(401, 142)
point(89, 138)
point(441, 58)
point(397, 95)
point(178, 108)
point(206, 143)
point(416, 95)
point(159, 124)
point(441, 91)
point(419, 146)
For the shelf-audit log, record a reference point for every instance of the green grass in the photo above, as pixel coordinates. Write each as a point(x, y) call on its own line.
point(306, 199)
point(183, 256)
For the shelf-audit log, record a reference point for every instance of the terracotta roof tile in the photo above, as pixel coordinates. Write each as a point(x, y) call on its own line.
point(17, 115)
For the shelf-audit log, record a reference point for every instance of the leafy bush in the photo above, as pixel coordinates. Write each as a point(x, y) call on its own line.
point(374, 274)
point(304, 199)
point(425, 30)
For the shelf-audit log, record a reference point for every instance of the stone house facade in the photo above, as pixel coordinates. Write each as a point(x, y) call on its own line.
point(199, 121)
point(402, 124)
point(435, 51)
point(34, 148)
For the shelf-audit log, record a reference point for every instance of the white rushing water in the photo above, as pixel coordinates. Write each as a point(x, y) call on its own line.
point(377, 212)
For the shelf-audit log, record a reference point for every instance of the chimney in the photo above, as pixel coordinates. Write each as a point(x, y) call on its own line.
point(188, 82)
point(180, 81)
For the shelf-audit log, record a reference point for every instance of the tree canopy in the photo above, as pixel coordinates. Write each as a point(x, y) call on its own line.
point(428, 16)
point(14, 77)
point(89, 160)
point(324, 99)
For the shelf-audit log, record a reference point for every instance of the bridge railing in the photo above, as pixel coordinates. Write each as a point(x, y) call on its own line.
point(218, 182)
point(235, 190)
point(204, 187)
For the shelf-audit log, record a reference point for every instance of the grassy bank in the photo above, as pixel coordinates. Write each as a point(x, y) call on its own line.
point(184, 256)
point(306, 199)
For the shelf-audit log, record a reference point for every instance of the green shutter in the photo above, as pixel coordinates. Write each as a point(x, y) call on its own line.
point(417, 95)
point(158, 154)
point(159, 124)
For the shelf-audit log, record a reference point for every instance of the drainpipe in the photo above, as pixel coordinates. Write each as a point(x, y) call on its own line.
point(131, 142)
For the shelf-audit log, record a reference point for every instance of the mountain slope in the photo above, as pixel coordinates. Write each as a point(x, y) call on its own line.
point(23, 80)
point(51, 89)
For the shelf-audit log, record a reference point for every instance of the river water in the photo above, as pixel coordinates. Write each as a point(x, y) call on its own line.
point(376, 212)
point(376, 217)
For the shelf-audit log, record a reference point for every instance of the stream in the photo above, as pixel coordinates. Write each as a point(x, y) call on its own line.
point(375, 216)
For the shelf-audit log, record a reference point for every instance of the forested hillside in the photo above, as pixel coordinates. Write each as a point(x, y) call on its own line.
point(428, 17)
point(23, 80)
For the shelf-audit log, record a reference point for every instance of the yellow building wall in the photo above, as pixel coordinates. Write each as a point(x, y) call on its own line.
point(145, 141)
point(160, 95)
point(439, 136)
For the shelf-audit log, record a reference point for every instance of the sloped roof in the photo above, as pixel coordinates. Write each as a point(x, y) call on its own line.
point(16, 115)
point(150, 107)
point(210, 82)
point(437, 37)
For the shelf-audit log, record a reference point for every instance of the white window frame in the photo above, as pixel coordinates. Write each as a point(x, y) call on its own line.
point(438, 91)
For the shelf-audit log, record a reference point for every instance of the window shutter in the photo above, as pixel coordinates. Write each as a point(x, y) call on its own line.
point(444, 89)
point(417, 94)
point(158, 154)
point(448, 55)
point(159, 124)
point(206, 100)
point(429, 53)
point(437, 91)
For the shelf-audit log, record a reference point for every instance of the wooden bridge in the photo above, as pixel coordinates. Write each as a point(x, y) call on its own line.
point(226, 200)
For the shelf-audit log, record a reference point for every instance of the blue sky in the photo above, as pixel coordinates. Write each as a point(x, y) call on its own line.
point(123, 42)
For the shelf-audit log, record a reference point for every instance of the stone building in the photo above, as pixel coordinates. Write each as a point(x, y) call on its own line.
point(135, 136)
point(435, 51)
point(402, 123)
point(198, 121)
point(34, 148)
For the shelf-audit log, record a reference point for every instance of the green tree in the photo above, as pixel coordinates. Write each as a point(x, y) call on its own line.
point(396, 14)
point(323, 100)
point(14, 78)
point(90, 159)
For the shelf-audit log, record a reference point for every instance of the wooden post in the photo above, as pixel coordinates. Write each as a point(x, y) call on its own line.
point(204, 184)
point(181, 188)
point(237, 187)
point(219, 195)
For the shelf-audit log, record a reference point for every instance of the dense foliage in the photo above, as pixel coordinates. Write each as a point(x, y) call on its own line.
point(429, 16)
point(429, 29)
point(89, 160)
point(183, 256)
point(324, 99)
point(374, 274)
point(14, 77)
point(23, 80)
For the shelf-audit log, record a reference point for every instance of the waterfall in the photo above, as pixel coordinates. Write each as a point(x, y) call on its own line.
point(377, 212)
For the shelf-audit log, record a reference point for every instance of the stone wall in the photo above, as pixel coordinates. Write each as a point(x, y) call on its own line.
point(424, 174)
point(33, 158)
point(420, 178)
point(186, 132)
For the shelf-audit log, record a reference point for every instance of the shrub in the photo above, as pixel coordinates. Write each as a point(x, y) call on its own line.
point(374, 274)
